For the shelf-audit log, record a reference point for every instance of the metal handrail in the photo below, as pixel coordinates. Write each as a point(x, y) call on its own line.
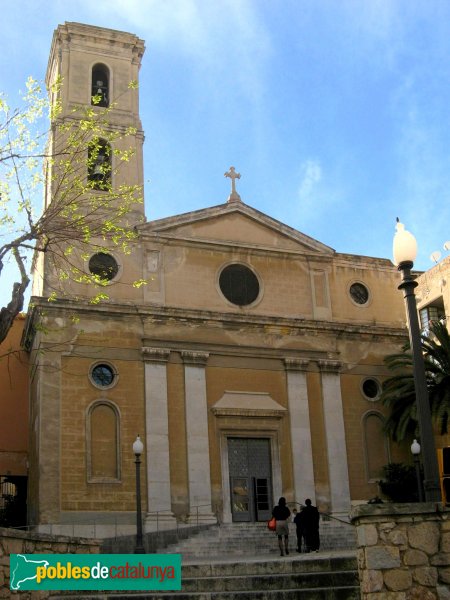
point(160, 514)
point(324, 514)
point(334, 518)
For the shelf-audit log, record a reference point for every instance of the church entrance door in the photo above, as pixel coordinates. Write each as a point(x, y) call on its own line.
point(250, 479)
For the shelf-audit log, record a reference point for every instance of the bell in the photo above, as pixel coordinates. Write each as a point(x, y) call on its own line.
point(98, 172)
point(101, 91)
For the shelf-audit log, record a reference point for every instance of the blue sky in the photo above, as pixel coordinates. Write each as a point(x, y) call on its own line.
point(335, 112)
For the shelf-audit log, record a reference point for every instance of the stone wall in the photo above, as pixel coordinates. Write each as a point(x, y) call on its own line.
point(13, 541)
point(403, 551)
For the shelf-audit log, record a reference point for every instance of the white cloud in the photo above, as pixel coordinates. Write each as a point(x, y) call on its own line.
point(204, 31)
point(222, 47)
point(311, 175)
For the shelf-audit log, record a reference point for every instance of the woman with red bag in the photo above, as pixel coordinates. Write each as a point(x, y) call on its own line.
point(282, 513)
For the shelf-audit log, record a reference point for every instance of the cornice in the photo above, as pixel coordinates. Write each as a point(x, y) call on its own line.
point(248, 412)
point(364, 262)
point(232, 246)
point(92, 36)
point(160, 314)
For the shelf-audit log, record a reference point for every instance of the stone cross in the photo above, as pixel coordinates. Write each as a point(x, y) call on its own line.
point(233, 176)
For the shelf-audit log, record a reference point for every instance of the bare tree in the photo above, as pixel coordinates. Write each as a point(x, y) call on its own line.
point(57, 196)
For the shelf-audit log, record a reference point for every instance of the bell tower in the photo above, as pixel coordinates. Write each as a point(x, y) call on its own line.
point(98, 71)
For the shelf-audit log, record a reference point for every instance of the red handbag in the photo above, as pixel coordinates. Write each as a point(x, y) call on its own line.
point(272, 524)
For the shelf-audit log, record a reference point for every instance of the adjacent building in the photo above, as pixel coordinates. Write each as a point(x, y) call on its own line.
point(13, 427)
point(433, 303)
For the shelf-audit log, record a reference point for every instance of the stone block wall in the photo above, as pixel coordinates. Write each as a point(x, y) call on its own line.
point(13, 541)
point(403, 551)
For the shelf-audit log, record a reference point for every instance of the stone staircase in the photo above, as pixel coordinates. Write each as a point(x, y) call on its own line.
point(254, 539)
point(242, 562)
point(303, 577)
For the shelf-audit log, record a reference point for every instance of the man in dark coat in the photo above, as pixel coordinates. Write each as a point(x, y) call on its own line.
point(309, 519)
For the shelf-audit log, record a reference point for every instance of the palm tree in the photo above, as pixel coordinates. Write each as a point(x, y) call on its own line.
point(398, 391)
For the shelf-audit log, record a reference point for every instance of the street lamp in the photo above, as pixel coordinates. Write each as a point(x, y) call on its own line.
point(138, 448)
point(405, 251)
point(415, 450)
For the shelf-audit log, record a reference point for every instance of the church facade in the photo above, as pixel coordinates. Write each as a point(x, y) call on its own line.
point(250, 364)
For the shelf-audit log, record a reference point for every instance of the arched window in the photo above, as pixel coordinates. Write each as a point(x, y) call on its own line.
point(376, 445)
point(100, 85)
point(99, 164)
point(103, 428)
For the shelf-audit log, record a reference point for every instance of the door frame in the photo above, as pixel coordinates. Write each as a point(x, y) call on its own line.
point(252, 496)
point(273, 438)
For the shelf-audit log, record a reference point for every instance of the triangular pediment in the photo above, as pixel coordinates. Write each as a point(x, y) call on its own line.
point(235, 224)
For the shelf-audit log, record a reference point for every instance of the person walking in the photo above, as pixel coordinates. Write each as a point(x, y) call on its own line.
point(298, 520)
point(310, 518)
point(282, 513)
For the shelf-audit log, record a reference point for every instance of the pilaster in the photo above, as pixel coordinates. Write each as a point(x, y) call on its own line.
point(157, 439)
point(303, 470)
point(335, 436)
point(197, 436)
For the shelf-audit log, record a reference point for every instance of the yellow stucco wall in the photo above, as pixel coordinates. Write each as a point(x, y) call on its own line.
point(304, 311)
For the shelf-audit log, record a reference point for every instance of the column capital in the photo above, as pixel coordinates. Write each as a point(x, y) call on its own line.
point(194, 357)
point(296, 364)
point(155, 355)
point(329, 366)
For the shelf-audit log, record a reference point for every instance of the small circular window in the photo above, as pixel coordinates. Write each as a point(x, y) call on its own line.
point(239, 284)
point(371, 389)
point(359, 293)
point(104, 266)
point(103, 375)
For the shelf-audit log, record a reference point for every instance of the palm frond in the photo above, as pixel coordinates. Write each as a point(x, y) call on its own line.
point(398, 391)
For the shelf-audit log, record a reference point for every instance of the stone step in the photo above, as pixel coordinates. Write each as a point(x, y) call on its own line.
point(240, 561)
point(254, 538)
point(267, 541)
point(349, 593)
point(308, 563)
point(242, 583)
point(327, 578)
point(344, 593)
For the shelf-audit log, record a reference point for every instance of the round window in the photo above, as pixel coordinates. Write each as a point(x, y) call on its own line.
point(104, 266)
point(239, 284)
point(359, 293)
point(103, 375)
point(371, 389)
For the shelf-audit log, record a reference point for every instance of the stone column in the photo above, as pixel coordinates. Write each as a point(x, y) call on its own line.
point(159, 515)
point(197, 437)
point(335, 436)
point(302, 461)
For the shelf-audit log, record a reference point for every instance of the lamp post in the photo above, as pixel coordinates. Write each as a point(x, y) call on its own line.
point(405, 251)
point(138, 448)
point(415, 450)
